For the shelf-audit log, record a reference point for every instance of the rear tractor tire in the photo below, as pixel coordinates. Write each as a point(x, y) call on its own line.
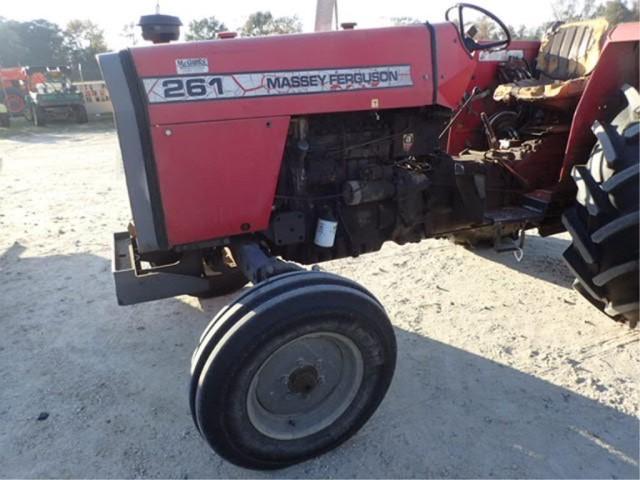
point(291, 369)
point(604, 221)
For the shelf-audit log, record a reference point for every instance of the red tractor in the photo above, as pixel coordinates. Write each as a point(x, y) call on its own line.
point(13, 88)
point(245, 158)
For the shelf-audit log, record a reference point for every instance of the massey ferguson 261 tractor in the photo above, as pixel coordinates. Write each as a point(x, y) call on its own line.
point(248, 157)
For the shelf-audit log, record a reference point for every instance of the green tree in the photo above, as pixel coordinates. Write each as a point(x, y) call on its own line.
point(618, 11)
point(204, 29)
point(572, 10)
point(524, 32)
point(615, 11)
point(130, 34)
point(36, 42)
point(83, 40)
point(486, 29)
point(264, 23)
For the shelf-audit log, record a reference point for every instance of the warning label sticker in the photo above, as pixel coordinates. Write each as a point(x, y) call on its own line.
point(226, 86)
point(185, 66)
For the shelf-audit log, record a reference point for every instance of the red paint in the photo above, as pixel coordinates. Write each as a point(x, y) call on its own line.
point(618, 64)
point(455, 65)
point(219, 167)
point(216, 176)
point(408, 45)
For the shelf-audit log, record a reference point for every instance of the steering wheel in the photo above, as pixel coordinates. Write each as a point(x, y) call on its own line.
point(467, 37)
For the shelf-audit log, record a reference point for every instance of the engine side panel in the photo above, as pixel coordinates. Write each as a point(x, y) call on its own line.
point(216, 97)
point(218, 178)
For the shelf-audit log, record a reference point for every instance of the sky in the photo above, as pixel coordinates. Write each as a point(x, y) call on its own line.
point(112, 15)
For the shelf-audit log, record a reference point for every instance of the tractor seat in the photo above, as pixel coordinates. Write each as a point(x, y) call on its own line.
point(565, 59)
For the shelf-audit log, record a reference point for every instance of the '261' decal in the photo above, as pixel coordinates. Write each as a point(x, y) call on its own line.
point(175, 88)
point(222, 86)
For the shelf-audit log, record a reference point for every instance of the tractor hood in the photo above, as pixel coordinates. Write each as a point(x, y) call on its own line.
point(347, 70)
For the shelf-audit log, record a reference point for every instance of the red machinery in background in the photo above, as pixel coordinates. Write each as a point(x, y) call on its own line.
point(15, 83)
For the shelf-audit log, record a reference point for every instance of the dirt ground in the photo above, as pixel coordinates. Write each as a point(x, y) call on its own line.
point(503, 370)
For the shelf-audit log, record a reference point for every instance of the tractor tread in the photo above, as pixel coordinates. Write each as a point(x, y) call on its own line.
point(631, 134)
point(603, 223)
point(621, 178)
point(580, 235)
point(606, 138)
point(614, 272)
point(632, 95)
point(590, 193)
point(628, 310)
point(581, 272)
point(614, 227)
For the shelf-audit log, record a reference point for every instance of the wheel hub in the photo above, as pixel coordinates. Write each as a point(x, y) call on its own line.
point(304, 385)
point(303, 380)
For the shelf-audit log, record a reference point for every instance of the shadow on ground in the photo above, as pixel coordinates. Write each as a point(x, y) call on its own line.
point(113, 382)
point(451, 413)
point(542, 259)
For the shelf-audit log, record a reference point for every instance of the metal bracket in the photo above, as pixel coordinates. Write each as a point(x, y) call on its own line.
point(502, 244)
point(256, 265)
point(135, 284)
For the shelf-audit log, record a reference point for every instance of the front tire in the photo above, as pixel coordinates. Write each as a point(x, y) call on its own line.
point(291, 370)
point(604, 221)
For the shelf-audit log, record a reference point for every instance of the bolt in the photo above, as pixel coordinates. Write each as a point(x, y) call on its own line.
point(168, 132)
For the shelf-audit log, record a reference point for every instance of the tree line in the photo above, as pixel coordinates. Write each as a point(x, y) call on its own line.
point(615, 11)
point(40, 42)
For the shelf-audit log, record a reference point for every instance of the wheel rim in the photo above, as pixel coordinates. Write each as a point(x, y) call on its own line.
point(305, 385)
point(14, 104)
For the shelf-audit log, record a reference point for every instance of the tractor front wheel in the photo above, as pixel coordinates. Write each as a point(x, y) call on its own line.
point(292, 369)
point(604, 221)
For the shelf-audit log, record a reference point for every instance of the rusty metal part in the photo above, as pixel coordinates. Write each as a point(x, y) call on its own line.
point(492, 140)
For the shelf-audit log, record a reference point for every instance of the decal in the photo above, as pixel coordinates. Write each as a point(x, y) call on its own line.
point(500, 55)
point(240, 85)
point(185, 66)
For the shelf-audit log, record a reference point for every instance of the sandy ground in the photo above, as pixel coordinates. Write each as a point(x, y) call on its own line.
point(503, 370)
